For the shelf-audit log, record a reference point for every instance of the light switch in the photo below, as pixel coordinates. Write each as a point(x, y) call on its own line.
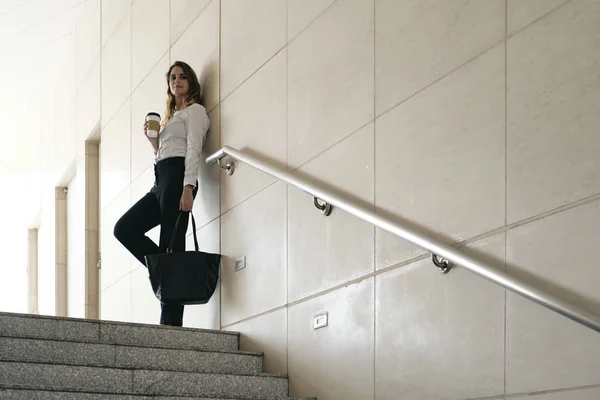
point(320, 321)
point(240, 263)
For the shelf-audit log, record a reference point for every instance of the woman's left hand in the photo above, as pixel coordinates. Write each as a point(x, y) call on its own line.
point(187, 199)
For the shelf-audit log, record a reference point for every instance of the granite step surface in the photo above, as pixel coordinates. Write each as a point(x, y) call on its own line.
point(123, 356)
point(109, 332)
point(32, 394)
point(126, 382)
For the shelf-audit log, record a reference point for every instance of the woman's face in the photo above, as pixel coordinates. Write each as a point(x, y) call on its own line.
point(178, 82)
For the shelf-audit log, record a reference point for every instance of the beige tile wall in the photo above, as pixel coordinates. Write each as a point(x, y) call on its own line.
point(338, 361)
point(88, 40)
point(148, 96)
point(434, 151)
point(522, 13)
point(428, 324)
point(149, 37)
point(253, 118)
point(583, 394)
point(552, 111)
point(560, 249)
point(116, 70)
point(255, 229)
point(475, 120)
point(203, 37)
point(183, 14)
point(88, 104)
point(113, 12)
point(251, 33)
point(330, 80)
point(418, 43)
point(267, 334)
point(326, 252)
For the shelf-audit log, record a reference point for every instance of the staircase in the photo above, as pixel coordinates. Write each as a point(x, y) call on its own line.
point(63, 358)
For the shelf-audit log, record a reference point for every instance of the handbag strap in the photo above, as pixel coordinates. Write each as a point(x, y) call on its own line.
point(176, 229)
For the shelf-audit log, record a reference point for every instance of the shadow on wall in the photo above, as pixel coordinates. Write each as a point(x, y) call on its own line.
point(208, 79)
point(206, 177)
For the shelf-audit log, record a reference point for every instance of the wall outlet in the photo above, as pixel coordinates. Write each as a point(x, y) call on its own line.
point(320, 321)
point(240, 263)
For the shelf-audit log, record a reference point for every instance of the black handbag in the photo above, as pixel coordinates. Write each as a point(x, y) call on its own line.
point(183, 278)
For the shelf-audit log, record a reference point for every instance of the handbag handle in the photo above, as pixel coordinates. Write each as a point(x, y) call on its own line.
point(176, 228)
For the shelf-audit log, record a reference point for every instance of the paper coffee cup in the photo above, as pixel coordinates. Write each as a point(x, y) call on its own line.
point(153, 120)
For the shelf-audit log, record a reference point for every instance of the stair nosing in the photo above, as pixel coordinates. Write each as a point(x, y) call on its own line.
point(68, 390)
point(121, 365)
point(164, 327)
point(260, 375)
point(119, 323)
point(140, 346)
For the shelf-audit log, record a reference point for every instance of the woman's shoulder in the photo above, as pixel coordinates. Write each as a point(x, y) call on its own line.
point(196, 114)
point(196, 107)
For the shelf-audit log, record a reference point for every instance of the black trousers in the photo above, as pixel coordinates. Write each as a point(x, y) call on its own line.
point(160, 206)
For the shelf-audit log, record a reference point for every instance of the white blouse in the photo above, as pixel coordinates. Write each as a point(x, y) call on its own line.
point(184, 136)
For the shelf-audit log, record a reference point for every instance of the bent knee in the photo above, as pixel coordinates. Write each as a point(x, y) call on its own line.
point(121, 230)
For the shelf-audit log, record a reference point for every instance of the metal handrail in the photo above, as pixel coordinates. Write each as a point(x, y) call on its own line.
point(437, 248)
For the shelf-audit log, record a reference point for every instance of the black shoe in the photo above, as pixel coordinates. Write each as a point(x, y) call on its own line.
point(179, 324)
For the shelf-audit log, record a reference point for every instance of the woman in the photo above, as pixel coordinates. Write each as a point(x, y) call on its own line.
point(177, 160)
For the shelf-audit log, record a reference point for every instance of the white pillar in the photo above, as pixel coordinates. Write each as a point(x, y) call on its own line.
point(92, 228)
point(61, 251)
point(32, 272)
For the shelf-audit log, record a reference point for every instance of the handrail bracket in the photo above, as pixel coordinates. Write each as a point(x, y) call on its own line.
point(229, 167)
point(323, 206)
point(444, 265)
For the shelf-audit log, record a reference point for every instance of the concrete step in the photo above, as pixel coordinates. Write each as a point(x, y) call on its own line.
point(121, 356)
point(124, 381)
point(109, 332)
point(32, 394)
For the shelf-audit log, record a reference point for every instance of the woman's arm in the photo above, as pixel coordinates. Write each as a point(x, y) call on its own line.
point(197, 125)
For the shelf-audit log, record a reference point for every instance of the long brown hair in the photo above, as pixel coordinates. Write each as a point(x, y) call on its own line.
point(194, 94)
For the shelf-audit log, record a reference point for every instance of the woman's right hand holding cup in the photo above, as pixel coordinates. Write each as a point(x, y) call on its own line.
point(153, 141)
point(151, 129)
